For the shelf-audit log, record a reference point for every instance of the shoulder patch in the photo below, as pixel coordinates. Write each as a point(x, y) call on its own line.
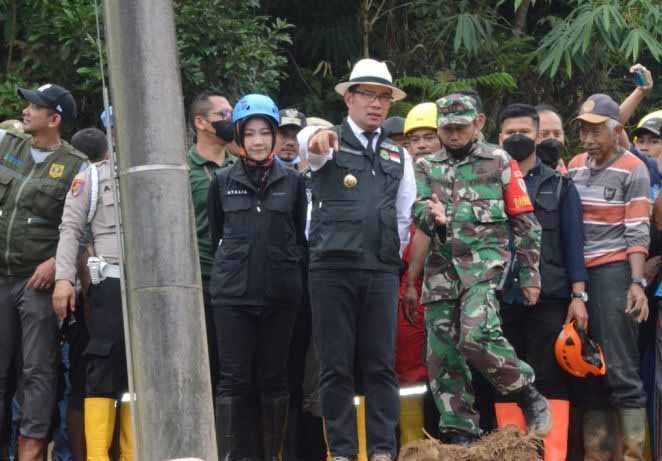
point(76, 186)
point(393, 156)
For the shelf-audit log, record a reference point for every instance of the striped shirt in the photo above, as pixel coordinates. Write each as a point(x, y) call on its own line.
point(616, 207)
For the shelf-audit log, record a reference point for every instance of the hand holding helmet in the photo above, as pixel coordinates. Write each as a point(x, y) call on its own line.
point(578, 354)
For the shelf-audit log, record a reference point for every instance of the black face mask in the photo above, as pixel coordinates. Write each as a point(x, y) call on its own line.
point(549, 152)
point(224, 130)
point(460, 152)
point(519, 146)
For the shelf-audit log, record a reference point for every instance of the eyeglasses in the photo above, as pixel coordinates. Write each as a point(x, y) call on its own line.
point(384, 98)
point(224, 114)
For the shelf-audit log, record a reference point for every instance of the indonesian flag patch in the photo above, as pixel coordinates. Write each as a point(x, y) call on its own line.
point(394, 157)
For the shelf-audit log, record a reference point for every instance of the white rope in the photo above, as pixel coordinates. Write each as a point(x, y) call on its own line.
point(118, 229)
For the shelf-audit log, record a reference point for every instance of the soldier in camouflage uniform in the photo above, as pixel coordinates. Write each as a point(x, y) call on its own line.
point(470, 198)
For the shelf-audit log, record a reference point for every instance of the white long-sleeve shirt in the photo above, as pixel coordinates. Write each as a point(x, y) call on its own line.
point(406, 191)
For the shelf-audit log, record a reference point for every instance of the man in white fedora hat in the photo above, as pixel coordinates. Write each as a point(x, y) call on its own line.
point(363, 188)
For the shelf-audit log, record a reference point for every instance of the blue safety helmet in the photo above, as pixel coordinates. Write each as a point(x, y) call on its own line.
point(254, 105)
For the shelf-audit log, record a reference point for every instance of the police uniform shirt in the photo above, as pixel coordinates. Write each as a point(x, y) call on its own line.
point(406, 195)
point(75, 221)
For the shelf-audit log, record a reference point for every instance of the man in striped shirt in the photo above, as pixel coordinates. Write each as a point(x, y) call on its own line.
point(613, 185)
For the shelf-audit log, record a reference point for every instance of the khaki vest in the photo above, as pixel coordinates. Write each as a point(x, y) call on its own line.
point(31, 202)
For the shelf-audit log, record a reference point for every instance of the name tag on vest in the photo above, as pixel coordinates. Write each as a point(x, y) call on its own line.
point(237, 192)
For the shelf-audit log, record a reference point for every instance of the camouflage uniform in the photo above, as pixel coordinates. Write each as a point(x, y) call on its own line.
point(463, 268)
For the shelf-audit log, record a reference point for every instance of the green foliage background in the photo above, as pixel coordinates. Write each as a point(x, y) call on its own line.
point(551, 51)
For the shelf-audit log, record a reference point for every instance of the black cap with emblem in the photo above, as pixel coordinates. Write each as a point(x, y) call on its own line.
point(53, 97)
point(292, 117)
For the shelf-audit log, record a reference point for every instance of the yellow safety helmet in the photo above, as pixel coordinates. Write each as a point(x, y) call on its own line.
point(423, 115)
point(656, 114)
point(651, 124)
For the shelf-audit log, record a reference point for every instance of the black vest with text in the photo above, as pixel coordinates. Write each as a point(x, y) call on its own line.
point(354, 220)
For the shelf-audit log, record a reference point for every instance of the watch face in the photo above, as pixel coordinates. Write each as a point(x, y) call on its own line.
point(640, 281)
point(583, 296)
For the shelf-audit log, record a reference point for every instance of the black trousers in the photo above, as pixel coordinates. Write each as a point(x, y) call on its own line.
point(106, 353)
point(618, 335)
point(211, 331)
point(296, 365)
point(533, 331)
point(252, 345)
point(75, 333)
point(28, 327)
point(354, 323)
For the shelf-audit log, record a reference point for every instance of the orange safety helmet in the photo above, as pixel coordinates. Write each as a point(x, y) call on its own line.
point(578, 354)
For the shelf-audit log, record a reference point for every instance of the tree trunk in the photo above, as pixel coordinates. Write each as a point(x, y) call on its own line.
point(365, 27)
point(520, 17)
point(12, 35)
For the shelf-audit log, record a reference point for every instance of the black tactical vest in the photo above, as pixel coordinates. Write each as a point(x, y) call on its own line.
point(354, 221)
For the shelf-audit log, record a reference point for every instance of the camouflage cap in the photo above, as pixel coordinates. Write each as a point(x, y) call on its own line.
point(292, 117)
point(456, 109)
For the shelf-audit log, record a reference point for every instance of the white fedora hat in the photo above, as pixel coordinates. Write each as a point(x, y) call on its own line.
point(371, 72)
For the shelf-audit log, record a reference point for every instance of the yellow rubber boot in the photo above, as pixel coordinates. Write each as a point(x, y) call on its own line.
point(360, 430)
point(99, 427)
point(126, 433)
point(510, 414)
point(411, 419)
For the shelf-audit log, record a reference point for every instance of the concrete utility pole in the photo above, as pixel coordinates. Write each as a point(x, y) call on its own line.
point(170, 364)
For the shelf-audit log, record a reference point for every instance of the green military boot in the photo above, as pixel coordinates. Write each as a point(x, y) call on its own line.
point(598, 443)
point(633, 425)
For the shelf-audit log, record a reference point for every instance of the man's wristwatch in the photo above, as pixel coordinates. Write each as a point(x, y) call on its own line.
point(641, 281)
point(582, 295)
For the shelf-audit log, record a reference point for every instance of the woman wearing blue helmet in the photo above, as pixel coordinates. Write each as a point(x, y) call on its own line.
point(257, 216)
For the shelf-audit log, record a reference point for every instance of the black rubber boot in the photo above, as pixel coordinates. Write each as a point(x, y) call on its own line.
point(234, 425)
point(536, 410)
point(274, 425)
